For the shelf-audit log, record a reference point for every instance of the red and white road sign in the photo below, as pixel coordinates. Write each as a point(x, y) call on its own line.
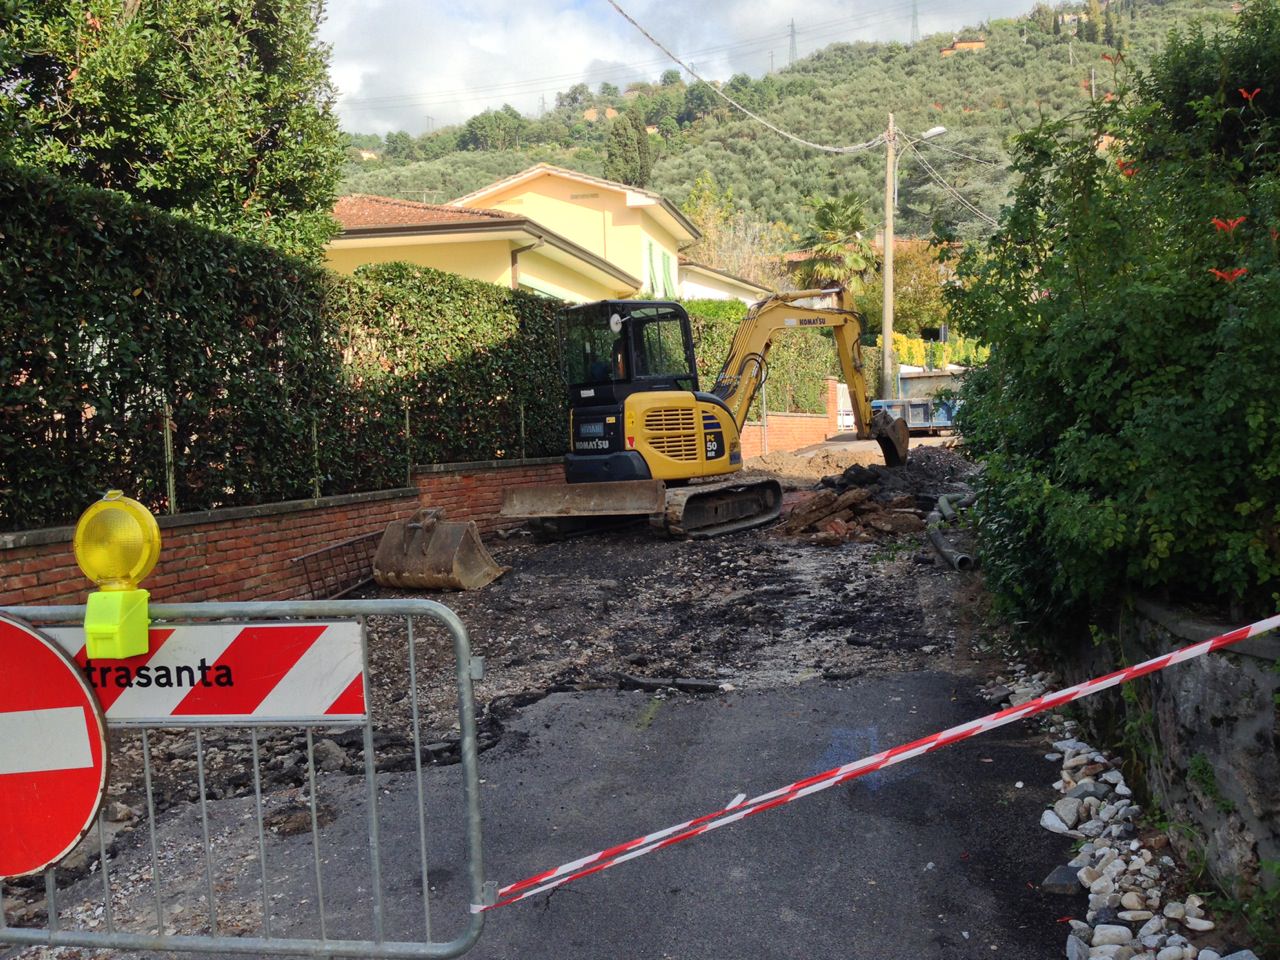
point(53, 751)
point(239, 672)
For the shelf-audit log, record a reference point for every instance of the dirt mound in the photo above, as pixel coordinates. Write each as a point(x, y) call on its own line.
point(802, 467)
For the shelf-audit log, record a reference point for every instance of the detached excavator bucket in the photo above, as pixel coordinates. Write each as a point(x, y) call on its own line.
point(893, 436)
point(427, 552)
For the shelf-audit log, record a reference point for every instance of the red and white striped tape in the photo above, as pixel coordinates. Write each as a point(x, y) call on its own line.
point(649, 843)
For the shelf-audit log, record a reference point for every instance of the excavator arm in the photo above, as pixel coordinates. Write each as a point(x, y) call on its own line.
point(747, 365)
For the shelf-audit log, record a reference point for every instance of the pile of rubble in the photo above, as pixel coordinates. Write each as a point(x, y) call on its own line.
point(864, 503)
point(1134, 910)
point(853, 515)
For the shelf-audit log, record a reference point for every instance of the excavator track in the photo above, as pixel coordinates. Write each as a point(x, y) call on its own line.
point(703, 510)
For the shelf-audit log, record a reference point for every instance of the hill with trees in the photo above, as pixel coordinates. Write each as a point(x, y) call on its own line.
point(1048, 63)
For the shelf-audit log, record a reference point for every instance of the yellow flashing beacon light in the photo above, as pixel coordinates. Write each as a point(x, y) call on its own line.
point(117, 543)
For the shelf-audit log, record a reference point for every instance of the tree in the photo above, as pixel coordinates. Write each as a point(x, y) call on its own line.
point(579, 95)
point(628, 159)
point(401, 146)
point(1092, 29)
point(608, 90)
point(670, 78)
point(218, 110)
point(919, 288)
point(839, 251)
point(731, 240)
point(699, 100)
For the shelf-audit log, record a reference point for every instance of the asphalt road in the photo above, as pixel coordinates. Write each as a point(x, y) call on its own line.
point(842, 874)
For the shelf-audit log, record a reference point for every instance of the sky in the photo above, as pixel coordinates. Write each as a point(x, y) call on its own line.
point(418, 65)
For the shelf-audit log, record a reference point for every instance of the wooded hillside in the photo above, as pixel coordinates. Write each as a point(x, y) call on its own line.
point(1038, 65)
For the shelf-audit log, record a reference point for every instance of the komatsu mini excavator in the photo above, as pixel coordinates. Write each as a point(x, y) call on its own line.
point(644, 440)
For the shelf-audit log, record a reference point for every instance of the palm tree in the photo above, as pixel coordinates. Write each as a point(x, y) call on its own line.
point(840, 252)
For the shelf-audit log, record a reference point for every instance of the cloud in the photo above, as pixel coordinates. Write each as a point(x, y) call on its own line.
point(420, 64)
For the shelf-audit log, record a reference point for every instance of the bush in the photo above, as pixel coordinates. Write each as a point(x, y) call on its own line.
point(283, 380)
point(1129, 414)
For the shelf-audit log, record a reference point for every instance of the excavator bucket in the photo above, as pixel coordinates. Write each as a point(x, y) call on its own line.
point(427, 552)
point(615, 498)
point(893, 436)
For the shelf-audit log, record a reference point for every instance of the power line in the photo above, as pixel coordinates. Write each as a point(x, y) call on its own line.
point(938, 146)
point(852, 148)
point(950, 189)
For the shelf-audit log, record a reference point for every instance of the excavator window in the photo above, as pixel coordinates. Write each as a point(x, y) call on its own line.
point(614, 342)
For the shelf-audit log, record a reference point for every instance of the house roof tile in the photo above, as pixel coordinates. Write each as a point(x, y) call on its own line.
point(364, 210)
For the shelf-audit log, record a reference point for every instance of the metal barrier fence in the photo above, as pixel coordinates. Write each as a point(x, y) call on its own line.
point(169, 929)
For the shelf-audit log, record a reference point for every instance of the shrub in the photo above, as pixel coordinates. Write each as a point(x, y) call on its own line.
point(283, 380)
point(1129, 414)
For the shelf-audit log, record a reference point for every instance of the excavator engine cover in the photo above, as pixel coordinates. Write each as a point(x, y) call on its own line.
point(427, 552)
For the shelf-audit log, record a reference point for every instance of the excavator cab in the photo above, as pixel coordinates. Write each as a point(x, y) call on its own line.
point(614, 350)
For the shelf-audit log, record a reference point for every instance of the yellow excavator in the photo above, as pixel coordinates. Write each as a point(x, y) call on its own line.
point(645, 441)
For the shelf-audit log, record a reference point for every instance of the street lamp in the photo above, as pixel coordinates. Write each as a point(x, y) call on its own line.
point(887, 388)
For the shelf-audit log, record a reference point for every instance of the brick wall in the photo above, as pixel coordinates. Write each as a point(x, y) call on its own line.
point(791, 431)
point(243, 553)
point(246, 553)
point(473, 491)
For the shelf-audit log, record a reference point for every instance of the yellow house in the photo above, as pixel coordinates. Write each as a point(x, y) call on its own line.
point(547, 230)
point(491, 245)
point(638, 231)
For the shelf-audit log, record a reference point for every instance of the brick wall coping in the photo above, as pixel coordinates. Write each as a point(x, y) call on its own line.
point(35, 538)
point(797, 416)
point(485, 465)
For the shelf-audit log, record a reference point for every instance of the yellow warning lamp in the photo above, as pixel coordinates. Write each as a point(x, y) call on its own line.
point(117, 543)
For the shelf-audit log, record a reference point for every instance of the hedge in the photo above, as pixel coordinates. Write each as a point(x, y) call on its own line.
point(283, 380)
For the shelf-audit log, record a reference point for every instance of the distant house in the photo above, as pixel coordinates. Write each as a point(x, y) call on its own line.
point(491, 245)
point(592, 115)
point(960, 45)
point(701, 282)
point(547, 230)
point(368, 154)
point(639, 231)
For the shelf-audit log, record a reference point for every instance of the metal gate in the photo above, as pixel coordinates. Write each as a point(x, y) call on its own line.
point(215, 871)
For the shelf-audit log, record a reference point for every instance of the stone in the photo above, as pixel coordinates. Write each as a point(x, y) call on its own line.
point(118, 812)
point(1153, 926)
point(1062, 880)
point(1174, 910)
point(1241, 955)
point(1133, 901)
point(1207, 954)
point(329, 756)
point(1123, 791)
point(1075, 762)
point(1170, 953)
point(1076, 948)
point(1107, 915)
point(1089, 788)
point(1087, 875)
point(1198, 924)
point(1093, 828)
point(1135, 916)
point(1114, 777)
point(1102, 886)
point(1152, 941)
point(1106, 933)
point(1111, 951)
point(1063, 746)
point(1068, 810)
point(1052, 822)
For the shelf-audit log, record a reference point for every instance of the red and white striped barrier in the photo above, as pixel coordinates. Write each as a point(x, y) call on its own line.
point(649, 843)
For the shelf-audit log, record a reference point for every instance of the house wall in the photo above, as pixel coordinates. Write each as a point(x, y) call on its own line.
point(488, 260)
point(247, 553)
point(596, 218)
point(699, 286)
point(546, 276)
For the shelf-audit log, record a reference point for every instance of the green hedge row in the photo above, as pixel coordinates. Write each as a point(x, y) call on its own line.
point(283, 380)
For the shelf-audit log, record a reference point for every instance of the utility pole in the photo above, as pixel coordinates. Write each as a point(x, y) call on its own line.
point(542, 105)
point(915, 22)
point(771, 61)
point(887, 390)
point(792, 56)
point(1093, 94)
